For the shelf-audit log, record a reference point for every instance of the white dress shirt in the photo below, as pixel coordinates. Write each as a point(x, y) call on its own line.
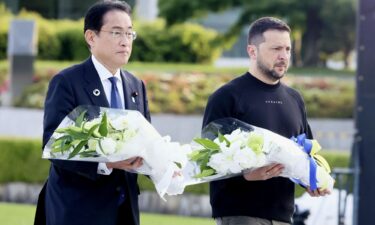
point(104, 74)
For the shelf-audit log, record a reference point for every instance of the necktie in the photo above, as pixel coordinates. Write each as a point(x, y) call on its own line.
point(115, 96)
point(116, 103)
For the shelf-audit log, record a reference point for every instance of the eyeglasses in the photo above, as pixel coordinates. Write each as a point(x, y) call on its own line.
point(130, 35)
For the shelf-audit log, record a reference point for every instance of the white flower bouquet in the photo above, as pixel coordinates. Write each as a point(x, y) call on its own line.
point(91, 133)
point(230, 147)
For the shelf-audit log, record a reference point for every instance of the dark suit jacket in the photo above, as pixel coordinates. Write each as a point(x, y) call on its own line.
point(75, 194)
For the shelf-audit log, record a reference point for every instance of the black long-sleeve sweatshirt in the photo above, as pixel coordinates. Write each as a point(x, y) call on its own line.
point(278, 108)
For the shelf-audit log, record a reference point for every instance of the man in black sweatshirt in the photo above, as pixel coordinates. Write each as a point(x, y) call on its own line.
point(259, 98)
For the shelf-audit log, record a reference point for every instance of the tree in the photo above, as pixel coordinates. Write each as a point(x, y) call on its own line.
point(339, 33)
point(309, 19)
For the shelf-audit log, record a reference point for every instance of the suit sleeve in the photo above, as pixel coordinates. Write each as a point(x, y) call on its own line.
point(221, 104)
point(60, 101)
point(146, 111)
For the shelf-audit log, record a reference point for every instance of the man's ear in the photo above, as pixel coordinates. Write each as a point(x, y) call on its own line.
point(252, 51)
point(90, 37)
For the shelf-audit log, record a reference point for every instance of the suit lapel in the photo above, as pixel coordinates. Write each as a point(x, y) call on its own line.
point(130, 100)
point(94, 87)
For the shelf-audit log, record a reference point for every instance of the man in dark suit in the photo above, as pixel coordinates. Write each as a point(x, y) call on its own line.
point(82, 193)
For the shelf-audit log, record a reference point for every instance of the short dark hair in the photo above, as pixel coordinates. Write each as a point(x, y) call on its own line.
point(261, 25)
point(95, 14)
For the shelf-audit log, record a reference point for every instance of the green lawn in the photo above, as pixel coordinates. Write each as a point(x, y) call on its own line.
point(17, 214)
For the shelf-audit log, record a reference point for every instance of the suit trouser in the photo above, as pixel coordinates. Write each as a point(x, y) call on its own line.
point(246, 220)
point(125, 216)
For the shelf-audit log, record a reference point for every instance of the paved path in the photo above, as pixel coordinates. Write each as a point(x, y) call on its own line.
point(331, 133)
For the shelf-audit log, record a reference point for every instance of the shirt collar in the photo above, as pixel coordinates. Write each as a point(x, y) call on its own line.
point(103, 72)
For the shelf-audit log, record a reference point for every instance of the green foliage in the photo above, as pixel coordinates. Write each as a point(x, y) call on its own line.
point(74, 46)
point(48, 46)
point(187, 93)
point(64, 40)
point(180, 43)
point(33, 96)
point(319, 29)
point(327, 97)
point(20, 160)
point(26, 154)
point(3, 44)
point(5, 16)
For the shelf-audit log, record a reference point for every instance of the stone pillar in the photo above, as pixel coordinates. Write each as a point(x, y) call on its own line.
point(22, 49)
point(146, 10)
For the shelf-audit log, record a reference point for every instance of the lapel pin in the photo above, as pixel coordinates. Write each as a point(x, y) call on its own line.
point(96, 92)
point(134, 95)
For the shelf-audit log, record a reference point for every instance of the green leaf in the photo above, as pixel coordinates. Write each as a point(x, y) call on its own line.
point(62, 144)
point(59, 140)
point(255, 142)
point(196, 155)
point(77, 134)
point(103, 129)
point(101, 147)
point(205, 173)
point(61, 130)
point(77, 149)
point(86, 154)
point(178, 164)
point(80, 118)
point(204, 161)
point(92, 129)
point(207, 143)
point(223, 138)
point(65, 146)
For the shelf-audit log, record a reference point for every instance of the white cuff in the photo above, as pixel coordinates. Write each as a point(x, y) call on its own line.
point(103, 170)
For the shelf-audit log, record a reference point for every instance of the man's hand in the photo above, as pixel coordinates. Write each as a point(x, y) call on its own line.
point(129, 164)
point(265, 172)
point(317, 192)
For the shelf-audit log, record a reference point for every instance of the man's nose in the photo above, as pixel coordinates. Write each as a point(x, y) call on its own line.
point(125, 41)
point(284, 54)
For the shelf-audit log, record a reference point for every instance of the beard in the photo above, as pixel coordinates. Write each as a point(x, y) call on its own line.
point(271, 73)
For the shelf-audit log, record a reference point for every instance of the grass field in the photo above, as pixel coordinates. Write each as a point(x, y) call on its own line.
point(17, 214)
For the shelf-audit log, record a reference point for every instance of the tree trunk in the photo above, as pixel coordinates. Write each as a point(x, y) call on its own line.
point(310, 39)
point(347, 58)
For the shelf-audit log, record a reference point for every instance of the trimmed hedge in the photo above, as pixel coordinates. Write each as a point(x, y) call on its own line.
point(187, 93)
point(20, 160)
point(179, 43)
point(64, 40)
point(327, 97)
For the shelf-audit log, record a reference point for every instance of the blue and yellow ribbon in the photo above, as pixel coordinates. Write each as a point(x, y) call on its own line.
point(311, 148)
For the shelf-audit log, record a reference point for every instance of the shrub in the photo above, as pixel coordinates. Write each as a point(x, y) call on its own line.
point(73, 43)
point(5, 18)
point(187, 93)
point(33, 96)
point(3, 44)
point(49, 46)
point(19, 156)
point(20, 160)
point(326, 97)
point(64, 40)
point(179, 43)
